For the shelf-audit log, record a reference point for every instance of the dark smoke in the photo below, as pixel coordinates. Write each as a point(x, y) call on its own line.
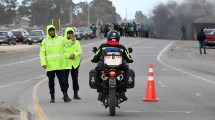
point(169, 18)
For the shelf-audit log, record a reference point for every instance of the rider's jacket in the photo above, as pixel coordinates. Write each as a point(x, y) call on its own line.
point(102, 47)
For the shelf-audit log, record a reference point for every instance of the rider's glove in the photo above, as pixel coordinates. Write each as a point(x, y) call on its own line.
point(93, 61)
point(131, 61)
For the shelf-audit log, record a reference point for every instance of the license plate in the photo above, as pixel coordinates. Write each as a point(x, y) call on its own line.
point(35, 40)
point(112, 82)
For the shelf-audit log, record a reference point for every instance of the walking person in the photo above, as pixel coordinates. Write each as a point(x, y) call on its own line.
point(184, 33)
point(72, 52)
point(93, 28)
point(201, 36)
point(52, 59)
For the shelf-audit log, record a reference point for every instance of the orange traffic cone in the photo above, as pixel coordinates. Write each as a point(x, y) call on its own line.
point(150, 90)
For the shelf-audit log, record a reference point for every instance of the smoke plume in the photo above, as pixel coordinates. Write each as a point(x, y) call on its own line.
point(169, 18)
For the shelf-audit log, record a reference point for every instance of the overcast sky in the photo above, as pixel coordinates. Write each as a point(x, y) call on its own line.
point(131, 6)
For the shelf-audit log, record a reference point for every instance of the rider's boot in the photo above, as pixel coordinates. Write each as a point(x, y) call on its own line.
point(122, 95)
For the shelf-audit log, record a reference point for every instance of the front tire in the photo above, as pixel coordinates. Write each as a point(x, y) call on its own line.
point(112, 101)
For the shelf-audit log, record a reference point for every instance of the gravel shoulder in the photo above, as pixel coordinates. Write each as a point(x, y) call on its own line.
point(189, 50)
point(8, 112)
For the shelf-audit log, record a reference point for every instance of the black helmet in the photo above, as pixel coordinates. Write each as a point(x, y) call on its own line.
point(113, 35)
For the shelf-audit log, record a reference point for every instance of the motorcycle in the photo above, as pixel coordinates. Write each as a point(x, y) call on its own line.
point(110, 79)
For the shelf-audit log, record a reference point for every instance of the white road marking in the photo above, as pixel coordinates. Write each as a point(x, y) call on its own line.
point(162, 84)
point(20, 82)
point(182, 71)
point(198, 94)
point(18, 62)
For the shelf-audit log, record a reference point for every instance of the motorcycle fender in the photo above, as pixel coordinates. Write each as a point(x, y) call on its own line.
point(112, 83)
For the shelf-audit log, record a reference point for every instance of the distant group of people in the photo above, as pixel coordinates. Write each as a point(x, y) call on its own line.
point(124, 29)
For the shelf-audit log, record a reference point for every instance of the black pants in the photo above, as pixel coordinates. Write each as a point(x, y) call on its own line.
point(74, 75)
point(61, 78)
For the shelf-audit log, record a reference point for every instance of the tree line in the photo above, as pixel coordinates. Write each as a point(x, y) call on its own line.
point(40, 12)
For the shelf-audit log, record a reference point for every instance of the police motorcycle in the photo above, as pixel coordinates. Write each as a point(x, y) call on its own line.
point(111, 78)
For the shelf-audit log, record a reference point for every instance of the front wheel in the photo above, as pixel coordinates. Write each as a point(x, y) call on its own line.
point(112, 101)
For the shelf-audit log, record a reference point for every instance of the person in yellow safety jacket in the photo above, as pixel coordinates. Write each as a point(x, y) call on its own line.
point(52, 59)
point(72, 52)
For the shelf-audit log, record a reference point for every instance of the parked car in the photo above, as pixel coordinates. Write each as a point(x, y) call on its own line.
point(79, 33)
point(21, 35)
point(210, 37)
point(35, 36)
point(88, 33)
point(7, 37)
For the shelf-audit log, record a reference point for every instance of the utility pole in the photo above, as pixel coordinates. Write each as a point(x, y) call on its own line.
point(71, 11)
point(88, 15)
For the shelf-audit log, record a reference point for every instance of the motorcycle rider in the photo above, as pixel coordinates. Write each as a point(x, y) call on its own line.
point(113, 38)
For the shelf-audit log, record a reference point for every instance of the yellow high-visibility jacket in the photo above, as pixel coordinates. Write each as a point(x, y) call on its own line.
point(52, 52)
point(72, 47)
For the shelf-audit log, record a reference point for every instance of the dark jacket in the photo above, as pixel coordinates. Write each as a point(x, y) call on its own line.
point(201, 36)
point(98, 54)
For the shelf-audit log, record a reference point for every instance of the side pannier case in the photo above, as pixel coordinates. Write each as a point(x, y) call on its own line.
point(130, 78)
point(93, 79)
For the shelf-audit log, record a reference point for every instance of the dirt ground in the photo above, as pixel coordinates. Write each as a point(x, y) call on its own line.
point(8, 112)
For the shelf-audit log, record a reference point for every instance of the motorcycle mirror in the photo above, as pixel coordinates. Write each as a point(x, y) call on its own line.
point(95, 49)
point(130, 50)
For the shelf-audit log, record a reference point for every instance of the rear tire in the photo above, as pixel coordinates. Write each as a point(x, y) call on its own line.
point(112, 101)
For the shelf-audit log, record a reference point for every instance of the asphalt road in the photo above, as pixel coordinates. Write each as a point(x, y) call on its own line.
point(184, 82)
